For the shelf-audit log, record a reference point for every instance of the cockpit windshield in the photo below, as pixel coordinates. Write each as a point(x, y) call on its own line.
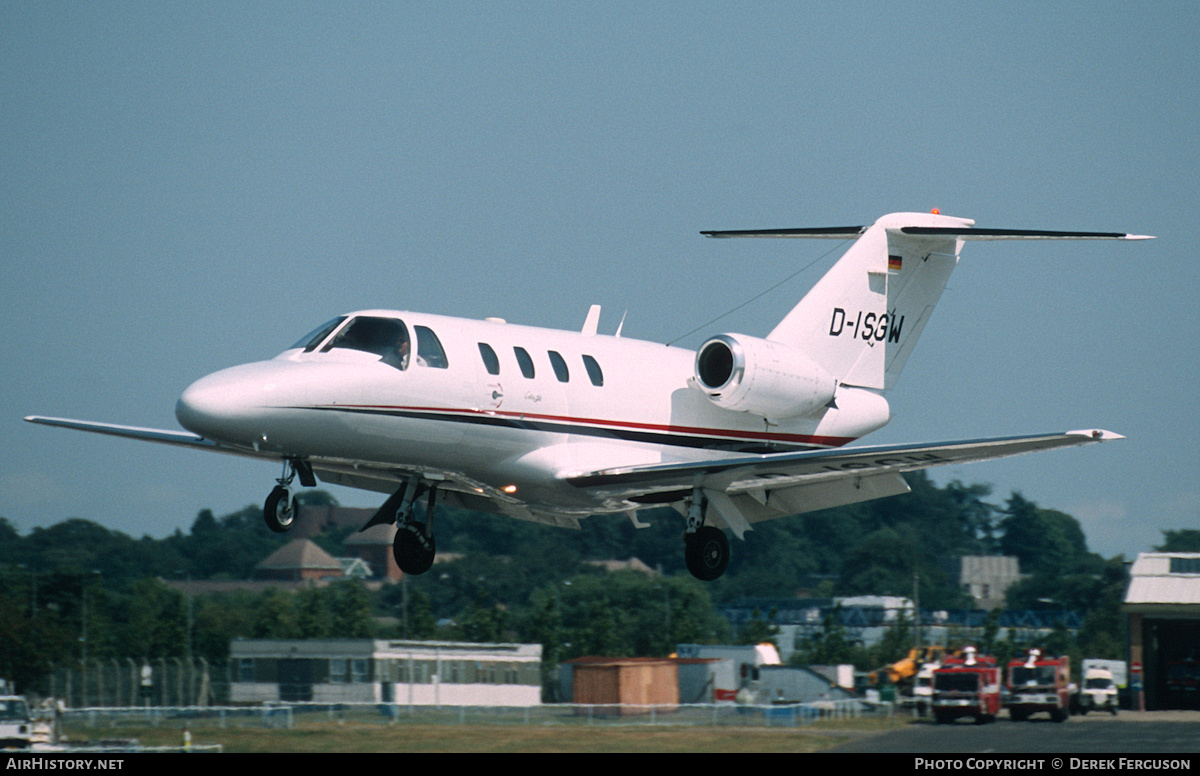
point(385, 337)
point(315, 337)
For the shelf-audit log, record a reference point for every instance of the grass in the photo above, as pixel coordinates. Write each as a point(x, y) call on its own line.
point(357, 737)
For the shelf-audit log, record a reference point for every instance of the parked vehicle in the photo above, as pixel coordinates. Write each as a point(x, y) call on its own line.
point(966, 686)
point(1039, 683)
point(1099, 691)
point(15, 724)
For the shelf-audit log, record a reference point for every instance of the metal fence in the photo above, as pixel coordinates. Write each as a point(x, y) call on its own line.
point(289, 715)
point(128, 683)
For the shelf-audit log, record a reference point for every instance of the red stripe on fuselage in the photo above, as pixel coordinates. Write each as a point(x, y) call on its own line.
point(733, 434)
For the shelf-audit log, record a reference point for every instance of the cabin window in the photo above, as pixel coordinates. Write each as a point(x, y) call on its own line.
point(525, 362)
point(385, 337)
point(429, 349)
point(490, 361)
point(595, 374)
point(315, 337)
point(560, 367)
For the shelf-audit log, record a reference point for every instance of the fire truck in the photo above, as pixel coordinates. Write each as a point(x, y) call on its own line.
point(1039, 683)
point(966, 686)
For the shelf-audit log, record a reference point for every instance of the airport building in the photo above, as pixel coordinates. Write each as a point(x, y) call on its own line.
point(418, 673)
point(1163, 610)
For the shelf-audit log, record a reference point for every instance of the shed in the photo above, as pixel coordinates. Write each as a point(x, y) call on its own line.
point(628, 685)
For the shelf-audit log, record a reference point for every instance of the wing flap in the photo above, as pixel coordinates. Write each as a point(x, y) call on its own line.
point(778, 484)
point(738, 510)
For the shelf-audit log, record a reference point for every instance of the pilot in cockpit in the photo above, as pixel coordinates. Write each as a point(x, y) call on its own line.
point(398, 355)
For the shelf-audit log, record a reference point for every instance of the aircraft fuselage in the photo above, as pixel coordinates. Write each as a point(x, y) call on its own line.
point(514, 407)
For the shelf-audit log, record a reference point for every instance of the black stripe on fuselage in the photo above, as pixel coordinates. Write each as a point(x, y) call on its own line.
point(525, 423)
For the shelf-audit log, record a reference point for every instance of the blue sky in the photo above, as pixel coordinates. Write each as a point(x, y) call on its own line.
point(189, 186)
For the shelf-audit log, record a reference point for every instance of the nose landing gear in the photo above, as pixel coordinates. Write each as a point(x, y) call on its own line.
point(279, 512)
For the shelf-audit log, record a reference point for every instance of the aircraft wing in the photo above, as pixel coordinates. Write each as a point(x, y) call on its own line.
point(177, 438)
point(752, 488)
point(366, 475)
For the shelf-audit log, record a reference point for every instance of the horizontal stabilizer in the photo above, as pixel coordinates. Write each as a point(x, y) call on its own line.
point(963, 232)
point(861, 321)
point(827, 232)
point(971, 233)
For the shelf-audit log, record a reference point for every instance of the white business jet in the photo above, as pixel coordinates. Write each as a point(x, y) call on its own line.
point(553, 426)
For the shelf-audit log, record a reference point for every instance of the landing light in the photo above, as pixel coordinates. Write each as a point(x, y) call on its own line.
point(509, 489)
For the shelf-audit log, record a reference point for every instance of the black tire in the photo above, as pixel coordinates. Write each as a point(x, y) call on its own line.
point(413, 549)
point(280, 511)
point(706, 553)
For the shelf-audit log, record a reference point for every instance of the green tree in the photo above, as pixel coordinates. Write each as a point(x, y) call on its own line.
point(350, 607)
point(313, 618)
point(411, 608)
point(1183, 540)
point(482, 621)
point(275, 616)
point(1045, 541)
point(154, 624)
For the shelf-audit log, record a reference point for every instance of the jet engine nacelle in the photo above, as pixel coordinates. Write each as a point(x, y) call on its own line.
point(747, 374)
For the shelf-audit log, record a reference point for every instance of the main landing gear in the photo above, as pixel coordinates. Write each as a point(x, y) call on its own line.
point(705, 547)
point(280, 510)
point(414, 547)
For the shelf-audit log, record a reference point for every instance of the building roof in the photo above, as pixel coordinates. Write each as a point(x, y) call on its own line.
point(381, 533)
point(299, 554)
point(383, 648)
point(1164, 579)
point(633, 564)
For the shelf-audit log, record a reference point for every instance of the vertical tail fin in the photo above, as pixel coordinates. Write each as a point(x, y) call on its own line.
point(861, 320)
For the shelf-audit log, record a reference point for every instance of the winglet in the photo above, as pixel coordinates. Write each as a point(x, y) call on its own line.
point(1098, 434)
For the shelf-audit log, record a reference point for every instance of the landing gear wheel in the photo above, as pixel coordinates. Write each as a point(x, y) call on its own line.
point(280, 511)
point(706, 553)
point(413, 549)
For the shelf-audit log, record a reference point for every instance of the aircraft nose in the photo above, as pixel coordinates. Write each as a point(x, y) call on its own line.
point(207, 406)
point(200, 406)
point(227, 405)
